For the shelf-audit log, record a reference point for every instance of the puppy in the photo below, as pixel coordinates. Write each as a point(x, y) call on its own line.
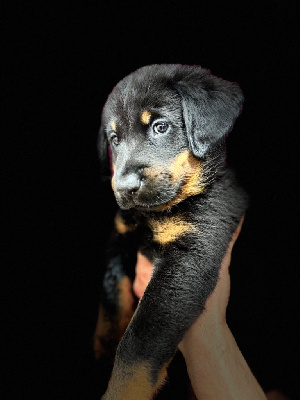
point(179, 204)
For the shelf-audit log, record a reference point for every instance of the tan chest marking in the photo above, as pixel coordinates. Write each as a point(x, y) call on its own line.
point(169, 229)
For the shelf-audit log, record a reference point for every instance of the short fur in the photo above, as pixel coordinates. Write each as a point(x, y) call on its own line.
point(180, 204)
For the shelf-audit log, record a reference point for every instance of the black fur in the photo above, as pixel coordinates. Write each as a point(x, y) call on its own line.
point(199, 110)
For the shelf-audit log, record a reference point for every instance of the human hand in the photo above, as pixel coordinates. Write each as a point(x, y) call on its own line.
point(143, 273)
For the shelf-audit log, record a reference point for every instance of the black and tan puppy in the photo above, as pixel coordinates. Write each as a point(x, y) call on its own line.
point(166, 126)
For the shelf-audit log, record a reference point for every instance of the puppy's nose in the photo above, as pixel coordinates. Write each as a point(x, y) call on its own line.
point(129, 184)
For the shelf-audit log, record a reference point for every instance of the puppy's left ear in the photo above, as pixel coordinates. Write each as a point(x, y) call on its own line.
point(210, 107)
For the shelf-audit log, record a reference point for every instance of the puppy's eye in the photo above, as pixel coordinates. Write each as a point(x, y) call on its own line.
point(160, 127)
point(114, 139)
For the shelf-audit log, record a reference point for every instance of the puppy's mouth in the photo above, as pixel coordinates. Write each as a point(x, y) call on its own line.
point(149, 197)
point(141, 201)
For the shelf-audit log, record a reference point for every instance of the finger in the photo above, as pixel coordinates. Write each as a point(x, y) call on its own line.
point(143, 273)
point(227, 257)
point(238, 230)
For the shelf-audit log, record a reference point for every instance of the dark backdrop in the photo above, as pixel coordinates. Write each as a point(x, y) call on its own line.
point(61, 62)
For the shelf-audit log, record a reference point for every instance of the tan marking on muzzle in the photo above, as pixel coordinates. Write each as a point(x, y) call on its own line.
point(153, 173)
point(185, 165)
point(188, 169)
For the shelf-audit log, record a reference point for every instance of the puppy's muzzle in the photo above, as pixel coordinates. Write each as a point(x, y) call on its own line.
point(137, 187)
point(129, 184)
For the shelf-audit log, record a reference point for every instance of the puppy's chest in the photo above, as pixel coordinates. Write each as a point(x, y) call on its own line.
point(168, 229)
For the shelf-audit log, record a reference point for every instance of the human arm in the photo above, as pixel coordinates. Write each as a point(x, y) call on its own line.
point(215, 364)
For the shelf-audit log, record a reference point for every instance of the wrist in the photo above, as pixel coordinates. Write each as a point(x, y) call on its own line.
point(216, 366)
point(203, 336)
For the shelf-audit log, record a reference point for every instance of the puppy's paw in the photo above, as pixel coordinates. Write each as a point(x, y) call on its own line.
point(135, 380)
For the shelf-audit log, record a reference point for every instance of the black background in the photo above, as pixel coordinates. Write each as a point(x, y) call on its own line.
point(61, 62)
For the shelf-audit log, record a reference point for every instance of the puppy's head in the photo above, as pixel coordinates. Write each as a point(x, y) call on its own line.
point(163, 123)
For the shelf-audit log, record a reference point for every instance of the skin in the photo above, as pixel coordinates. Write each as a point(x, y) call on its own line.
point(216, 366)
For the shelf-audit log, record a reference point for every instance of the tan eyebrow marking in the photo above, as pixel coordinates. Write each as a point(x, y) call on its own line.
point(145, 117)
point(113, 125)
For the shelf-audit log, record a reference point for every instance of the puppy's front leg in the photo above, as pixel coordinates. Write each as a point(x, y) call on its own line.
point(174, 298)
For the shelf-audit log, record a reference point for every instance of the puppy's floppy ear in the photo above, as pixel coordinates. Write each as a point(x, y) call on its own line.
point(210, 106)
point(103, 154)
